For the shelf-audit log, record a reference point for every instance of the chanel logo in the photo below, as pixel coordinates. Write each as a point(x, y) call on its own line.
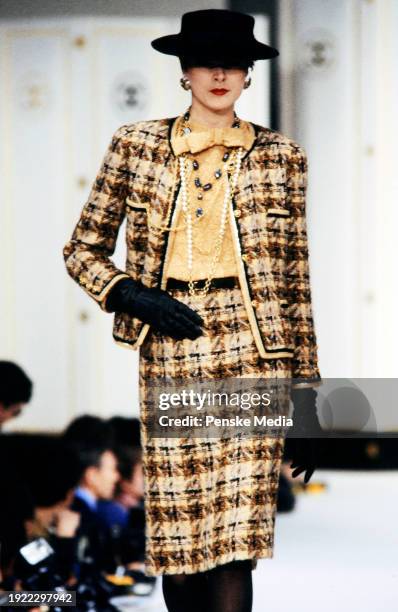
point(318, 51)
point(130, 92)
point(33, 91)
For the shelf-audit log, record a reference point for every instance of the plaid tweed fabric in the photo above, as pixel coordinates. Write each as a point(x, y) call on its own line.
point(138, 179)
point(209, 502)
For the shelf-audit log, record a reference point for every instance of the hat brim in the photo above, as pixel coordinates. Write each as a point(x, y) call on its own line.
point(172, 44)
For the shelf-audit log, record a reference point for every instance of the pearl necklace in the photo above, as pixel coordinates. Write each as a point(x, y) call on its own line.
point(229, 191)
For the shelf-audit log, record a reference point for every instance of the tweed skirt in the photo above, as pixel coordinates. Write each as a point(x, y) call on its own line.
point(208, 502)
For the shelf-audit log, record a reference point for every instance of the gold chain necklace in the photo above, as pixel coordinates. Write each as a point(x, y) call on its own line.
point(232, 163)
point(230, 187)
point(229, 191)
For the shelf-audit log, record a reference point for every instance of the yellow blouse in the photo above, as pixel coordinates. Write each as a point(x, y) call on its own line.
point(207, 146)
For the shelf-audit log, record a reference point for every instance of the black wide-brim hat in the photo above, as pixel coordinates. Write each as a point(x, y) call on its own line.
point(215, 33)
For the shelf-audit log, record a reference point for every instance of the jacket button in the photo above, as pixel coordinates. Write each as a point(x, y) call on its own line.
point(245, 258)
point(237, 213)
point(255, 303)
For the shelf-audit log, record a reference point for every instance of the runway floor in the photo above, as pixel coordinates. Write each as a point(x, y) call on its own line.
point(337, 551)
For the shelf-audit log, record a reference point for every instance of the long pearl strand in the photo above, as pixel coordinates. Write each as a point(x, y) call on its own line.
point(229, 190)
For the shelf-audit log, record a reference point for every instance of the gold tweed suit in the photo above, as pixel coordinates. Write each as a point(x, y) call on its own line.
point(139, 176)
point(207, 502)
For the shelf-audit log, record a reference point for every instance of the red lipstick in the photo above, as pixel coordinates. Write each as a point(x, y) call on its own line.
point(219, 92)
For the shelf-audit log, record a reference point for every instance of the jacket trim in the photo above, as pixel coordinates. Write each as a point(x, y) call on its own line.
point(166, 253)
point(171, 123)
point(101, 297)
point(137, 343)
point(309, 384)
point(133, 345)
point(278, 212)
point(254, 143)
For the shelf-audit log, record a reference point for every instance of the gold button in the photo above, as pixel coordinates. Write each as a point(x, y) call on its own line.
point(255, 303)
point(237, 213)
point(245, 258)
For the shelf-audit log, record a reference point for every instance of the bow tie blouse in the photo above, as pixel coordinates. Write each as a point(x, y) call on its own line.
point(207, 146)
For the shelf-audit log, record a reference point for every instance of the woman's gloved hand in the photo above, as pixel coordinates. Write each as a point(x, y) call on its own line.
point(303, 451)
point(303, 455)
point(155, 307)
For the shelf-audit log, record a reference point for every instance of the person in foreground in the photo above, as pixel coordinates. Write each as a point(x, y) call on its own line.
point(15, 391)
point(216, 286)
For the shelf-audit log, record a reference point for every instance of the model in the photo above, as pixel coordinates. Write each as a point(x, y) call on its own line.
point(216, 285)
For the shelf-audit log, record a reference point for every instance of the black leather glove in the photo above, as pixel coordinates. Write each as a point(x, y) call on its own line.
point(303, 455)
point(303, 451)
point(305, 416)
point(156, 307)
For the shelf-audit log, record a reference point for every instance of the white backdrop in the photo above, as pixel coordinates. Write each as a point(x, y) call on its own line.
point(339, 100)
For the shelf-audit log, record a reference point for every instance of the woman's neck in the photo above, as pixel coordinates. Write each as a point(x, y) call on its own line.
point(205, 116)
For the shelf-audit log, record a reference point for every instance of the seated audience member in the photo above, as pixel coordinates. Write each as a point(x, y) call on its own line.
point(129, 492)
point(15, 509)
point(15, 391)
point(90, 438)
point(125, 514)
point(126, 431)
point(43, 473)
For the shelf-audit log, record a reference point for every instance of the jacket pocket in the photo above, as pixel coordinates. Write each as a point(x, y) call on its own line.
point(277, 228)
point(278, 212)
point(126, 328)
point(140, 206)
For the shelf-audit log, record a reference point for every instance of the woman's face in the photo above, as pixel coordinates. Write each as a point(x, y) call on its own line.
point(216, 88)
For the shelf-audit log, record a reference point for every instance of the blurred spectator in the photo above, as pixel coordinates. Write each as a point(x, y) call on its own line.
point(91, 439)
point(126, 431)
point(129, 492)
point(15, 390)
point(89, 430)
point(40, 479)
point(125, 514)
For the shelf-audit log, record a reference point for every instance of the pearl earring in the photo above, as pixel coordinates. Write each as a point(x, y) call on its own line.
point(185, 84)
point(248, 80)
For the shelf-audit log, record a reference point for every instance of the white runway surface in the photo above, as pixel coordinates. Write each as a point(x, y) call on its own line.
point(337, 551)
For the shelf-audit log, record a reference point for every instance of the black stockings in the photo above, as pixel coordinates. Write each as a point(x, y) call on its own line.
point(185, 592)
point(226, 588)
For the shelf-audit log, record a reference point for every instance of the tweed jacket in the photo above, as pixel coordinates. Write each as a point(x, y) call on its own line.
point(139, 181)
